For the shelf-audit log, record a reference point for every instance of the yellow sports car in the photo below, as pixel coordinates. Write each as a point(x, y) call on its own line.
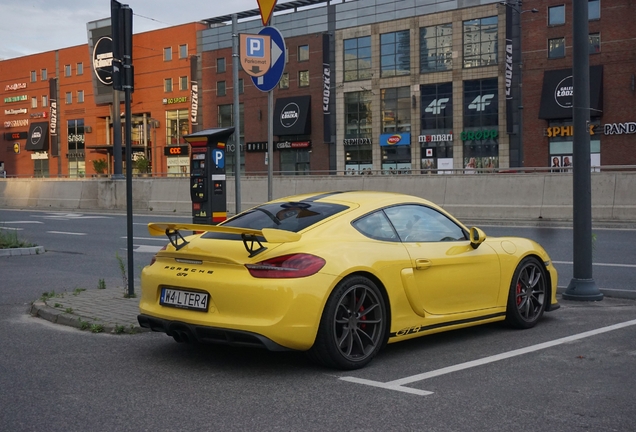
point(339, 275)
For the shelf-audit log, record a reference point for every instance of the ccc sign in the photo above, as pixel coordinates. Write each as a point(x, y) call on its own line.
point(176, 150)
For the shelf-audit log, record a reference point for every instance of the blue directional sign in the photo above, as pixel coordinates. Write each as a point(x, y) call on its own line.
point(271, 78)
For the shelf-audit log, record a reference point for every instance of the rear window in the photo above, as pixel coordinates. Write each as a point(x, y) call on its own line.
point(288, 216)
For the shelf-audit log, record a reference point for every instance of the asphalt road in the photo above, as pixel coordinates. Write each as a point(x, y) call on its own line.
point(572, 372)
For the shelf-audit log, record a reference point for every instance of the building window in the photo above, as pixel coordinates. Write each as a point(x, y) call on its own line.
point(396, 109)
point(358, 131)
point(294, 162)
point(436, 126)
point(167, 54)
point(594, 9)
point(183, 83)
point(34, 102)
point(303, 53)
point(595, 43)
point(183, 51)
point(44, 74)
point(220, 88)
point(75, 155)
point(436, 48)
point(303, 79)
point(241, 86)
point(357, 58)
point(395, 54)
point(80, 69)
point(226, 119)
point(167, 85)
point(556, 15)
point(67, 70)
point(480, 134)
point(34, 76)
point(80, 96)
point(284, 81)
point(220, 65)
point(556, 48)
point(480, 42)
point(69, 98)
point(45, 101)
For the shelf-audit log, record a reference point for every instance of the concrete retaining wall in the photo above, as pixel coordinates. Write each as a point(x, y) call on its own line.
point(495, 196)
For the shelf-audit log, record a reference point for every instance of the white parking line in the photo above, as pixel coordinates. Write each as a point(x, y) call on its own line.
point(22, 222)
point(146, 248)
point(598, 264)
point(66, 233)
point(398, 385)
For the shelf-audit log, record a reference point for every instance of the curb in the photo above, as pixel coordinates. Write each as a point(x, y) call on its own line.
point(41, 310)
point(36, 250)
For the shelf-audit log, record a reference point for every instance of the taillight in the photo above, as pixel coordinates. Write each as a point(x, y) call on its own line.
point(287, 266)
point(154, 257)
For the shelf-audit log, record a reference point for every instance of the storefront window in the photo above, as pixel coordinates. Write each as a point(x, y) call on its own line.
point(436, 48)
point(560, 134)
point(358, 142)
point(226, 119)
point(294, 162)
point(480, 42)
point(480, 134)
point(396, 109)
point(75, 146)
point(436, 128)
point(177, 125)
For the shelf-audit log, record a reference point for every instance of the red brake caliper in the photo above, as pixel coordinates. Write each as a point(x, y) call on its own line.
point(518, 292)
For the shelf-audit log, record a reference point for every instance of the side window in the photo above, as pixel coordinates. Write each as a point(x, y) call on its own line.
point(417, 223)
point(376, 226)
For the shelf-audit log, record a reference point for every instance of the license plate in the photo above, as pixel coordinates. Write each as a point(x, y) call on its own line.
point(184, 299)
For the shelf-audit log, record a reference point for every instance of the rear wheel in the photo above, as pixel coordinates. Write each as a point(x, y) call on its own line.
point(353, 325)
point(528, 294)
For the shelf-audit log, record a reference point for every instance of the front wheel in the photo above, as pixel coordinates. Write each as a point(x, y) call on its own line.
point(528, 294)
point(353, 325)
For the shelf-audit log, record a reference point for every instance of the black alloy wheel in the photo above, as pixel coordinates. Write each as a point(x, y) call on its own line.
point(353, 325)
point(528, 294)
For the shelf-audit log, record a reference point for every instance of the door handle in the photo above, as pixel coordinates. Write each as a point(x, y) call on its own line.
point(422, 264)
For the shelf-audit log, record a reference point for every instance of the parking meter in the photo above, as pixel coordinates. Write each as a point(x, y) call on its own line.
point(207, 175)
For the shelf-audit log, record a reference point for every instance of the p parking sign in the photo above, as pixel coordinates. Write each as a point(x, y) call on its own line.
point(255, 53)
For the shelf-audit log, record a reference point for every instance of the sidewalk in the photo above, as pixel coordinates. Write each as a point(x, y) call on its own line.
point(95, 310)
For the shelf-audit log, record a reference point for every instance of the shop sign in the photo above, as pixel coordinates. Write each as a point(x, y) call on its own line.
point(326, 87)
point(10, 136)
point(76, 138)
point(194, 102)
point(39, 155)
point(103, 60)
point(16, 86)
point(477, 135)
point(398, 139)
point(619, 128)
point(282, 145)
point(43, 114)
point(169, 101)
point(357, 141)
point(15, 111)
point(16, 123)
point(53, 123)
point(11, 99)
point(256, 147)
point(564, 131)
point(436, 138)
point(176, 150)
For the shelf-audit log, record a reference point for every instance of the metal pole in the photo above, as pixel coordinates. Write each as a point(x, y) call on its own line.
point(237, 117)
point(270, 144)
point(117, 171)
point(582, 286)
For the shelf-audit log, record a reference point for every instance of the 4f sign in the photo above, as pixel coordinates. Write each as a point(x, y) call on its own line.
point(256, 57)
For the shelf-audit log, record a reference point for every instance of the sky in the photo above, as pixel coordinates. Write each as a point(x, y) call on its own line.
point(34, 26)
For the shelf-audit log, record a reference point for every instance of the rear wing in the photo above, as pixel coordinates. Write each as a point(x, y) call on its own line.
point(251, 237)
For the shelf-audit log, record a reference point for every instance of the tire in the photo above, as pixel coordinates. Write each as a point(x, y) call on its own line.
point(528, 294)
point(349, 337)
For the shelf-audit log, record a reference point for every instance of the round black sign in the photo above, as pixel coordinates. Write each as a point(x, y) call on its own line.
point(103, 60)
point(563, 92)
point(289, 115)
point(36, 136)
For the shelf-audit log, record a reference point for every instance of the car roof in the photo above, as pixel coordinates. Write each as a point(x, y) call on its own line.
point(363, 199)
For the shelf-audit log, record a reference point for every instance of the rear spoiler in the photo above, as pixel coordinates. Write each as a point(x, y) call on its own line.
point(251, 237)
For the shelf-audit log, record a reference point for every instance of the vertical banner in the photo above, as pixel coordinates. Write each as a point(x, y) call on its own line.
point(194, 93)
point(100, 48)
point(509, 73)
point(55, 151)
point(326, 88)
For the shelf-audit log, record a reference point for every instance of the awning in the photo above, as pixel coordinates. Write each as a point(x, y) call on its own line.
point(38, 139)
point(556, 96)
point(292, 116)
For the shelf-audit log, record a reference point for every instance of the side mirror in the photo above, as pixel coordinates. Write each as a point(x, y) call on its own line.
point(477, 237)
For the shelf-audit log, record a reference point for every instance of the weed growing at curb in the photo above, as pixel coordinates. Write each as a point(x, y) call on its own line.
point(47, 295)
point(97, 328)
point(101, 284)
point(68, 310)
point(119, 329)
point(83, 324)
point(10, 240)
point(57, 305)
point(76, 291)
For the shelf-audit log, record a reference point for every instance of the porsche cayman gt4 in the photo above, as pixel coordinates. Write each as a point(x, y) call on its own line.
point(339, 275)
